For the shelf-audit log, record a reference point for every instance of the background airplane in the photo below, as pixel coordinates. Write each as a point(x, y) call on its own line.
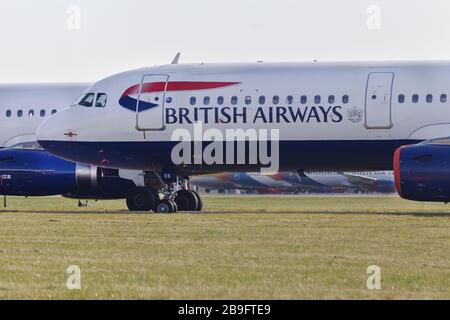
point(382, 181)
point(23, 107)
point(364, 181)
point(27, 170)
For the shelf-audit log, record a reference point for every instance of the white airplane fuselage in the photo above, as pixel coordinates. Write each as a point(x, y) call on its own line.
point(23, 107)
point(324, 116)
point(351, 179)
point(294, 181)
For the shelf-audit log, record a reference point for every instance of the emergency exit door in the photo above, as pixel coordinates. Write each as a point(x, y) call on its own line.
point(379, 100)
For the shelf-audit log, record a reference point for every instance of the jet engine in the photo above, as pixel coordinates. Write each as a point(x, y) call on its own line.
point(422, 171)
point(26, 172)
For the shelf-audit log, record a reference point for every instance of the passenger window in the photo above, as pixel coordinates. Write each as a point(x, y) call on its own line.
point(42, 113)
point(206, 101)
point(8, 113)
point(248, 100)
point(290, 100)
point(429, 98)
point(443, 98)
point(415, 98)
point(262, 100)
point(54, 111)
point(87, 100)
point(220, 100)
point(234, 100)
point(19, 113)
point(303, 99)
point(317, 99)
point(101, 100)
point(331, 99)
point(276, 99)
point(345, 99)
point(31, 113)
point(192, 101)
point(401, 98)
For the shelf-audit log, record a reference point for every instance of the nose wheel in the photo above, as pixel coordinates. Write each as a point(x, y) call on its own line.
point(177, 195)
point(165, 206)
point(183, 200)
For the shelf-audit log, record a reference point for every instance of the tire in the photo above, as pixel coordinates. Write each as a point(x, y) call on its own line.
point(186, 200)
point(199, 200)
point(140, 199)
point(175, 206)
point(164, 206)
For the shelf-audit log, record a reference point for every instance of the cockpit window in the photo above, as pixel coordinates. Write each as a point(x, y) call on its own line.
point(101, 100)
point(87, 100)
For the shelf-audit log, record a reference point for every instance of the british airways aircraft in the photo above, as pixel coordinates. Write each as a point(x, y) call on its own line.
point(27, 170)
point(180, 120)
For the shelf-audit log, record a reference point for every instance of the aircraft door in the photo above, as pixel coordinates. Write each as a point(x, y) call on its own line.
point(379, 100)
point(151, 100)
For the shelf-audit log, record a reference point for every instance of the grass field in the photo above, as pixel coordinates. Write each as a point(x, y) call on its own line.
point(260, 247)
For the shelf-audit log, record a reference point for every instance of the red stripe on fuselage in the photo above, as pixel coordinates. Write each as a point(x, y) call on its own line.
point(176, 86)
point(397, 175)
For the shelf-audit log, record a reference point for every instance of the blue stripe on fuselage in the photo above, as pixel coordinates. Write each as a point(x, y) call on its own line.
point(294, 155)
point(305, 180)
point(131, 103)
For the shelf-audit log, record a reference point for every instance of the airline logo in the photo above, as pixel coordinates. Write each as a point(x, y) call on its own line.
point(129, 100)
point(355, 115)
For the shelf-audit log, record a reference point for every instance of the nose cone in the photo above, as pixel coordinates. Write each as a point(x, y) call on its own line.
point(64, 135)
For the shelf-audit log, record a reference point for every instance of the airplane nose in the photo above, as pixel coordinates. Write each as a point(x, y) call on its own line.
point(52, 135)
point(61, 136)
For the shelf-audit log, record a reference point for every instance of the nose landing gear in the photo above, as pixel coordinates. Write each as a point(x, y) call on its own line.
point(165, 206)
point(177, 195)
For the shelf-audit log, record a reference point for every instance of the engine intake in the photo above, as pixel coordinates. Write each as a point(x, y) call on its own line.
point(422, 172)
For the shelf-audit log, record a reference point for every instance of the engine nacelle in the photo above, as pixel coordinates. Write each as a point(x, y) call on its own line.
point(100, 183)
point(34, 173)
point(25, 172)
point(422, 171)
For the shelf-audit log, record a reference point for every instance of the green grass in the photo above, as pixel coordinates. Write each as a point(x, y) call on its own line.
point(262, 247)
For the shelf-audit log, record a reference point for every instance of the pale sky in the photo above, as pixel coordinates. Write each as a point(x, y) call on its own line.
point(116, 35)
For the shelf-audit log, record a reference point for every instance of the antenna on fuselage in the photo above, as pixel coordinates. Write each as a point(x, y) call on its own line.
point(176, 59)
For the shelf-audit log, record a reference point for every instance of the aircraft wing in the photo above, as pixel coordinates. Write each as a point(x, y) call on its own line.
point(359, 179)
